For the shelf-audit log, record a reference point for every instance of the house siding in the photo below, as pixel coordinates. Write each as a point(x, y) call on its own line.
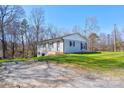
point(77, 48)
point(73, 49)
point(64, 45)
point(75, 37)
point(50, 49)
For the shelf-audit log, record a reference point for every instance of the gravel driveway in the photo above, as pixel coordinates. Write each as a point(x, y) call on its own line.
point(44, 74)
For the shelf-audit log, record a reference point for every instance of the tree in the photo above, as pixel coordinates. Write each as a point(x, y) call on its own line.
point(92, 41)
point(7, 15)
point(115, 37)
point(108, 42)
point(102, 42)
point(23, 33)
point(91, 26)
point(76, 29)
point(12, 34)
point(32, 41)
point(37, 20)
point(51, 32)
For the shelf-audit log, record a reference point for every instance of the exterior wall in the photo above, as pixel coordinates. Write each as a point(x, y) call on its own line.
point(78, 40)
point(64, 46)
point(75, 37)
point(73, 49)
point(48, 50)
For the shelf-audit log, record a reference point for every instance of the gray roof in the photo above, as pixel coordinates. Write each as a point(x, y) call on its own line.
point(59, 38)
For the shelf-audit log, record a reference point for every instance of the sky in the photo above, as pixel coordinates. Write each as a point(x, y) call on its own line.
point(66, 16)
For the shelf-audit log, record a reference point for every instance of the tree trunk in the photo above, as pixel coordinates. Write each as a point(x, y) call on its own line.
point(37, 41)
point(3, 42)
point(23, 49)
point(115, 43)
point(13, 49)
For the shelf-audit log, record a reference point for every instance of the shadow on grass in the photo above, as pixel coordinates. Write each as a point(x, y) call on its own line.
point(88, 53)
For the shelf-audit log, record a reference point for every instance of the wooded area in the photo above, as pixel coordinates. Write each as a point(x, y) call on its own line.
point(20, 34)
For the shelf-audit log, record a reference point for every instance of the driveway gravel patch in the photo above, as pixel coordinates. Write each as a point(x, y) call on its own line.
point(48, 74)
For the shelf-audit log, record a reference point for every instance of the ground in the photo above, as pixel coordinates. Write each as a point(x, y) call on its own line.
point(48, 74)
point(104, 69)
point(103, 61)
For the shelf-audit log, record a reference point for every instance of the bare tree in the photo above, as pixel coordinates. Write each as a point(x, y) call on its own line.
point(23, 34)
point(77, 29)
point(12, 34)
point(108, 42)
point(7, 14)
point(31, 41)
point(92, 41)
point(37, 20)
point(115, 37)
point(91, 26)
point(51, 32)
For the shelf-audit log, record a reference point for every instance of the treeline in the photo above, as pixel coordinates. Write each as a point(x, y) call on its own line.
point(113, 41)
point(20, 33)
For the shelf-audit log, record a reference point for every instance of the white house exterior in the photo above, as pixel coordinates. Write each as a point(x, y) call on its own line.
point(72, 43)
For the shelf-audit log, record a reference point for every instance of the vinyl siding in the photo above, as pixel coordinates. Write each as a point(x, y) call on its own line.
point(72, 49)
point(65, 45)
point(48, 48)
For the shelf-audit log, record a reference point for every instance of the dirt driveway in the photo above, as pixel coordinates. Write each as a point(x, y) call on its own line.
point(44, 74)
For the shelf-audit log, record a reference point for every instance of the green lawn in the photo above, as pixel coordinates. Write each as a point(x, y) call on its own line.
point(102, 61)
point(15, 59)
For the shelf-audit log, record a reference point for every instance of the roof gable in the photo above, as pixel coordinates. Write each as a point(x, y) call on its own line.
point(75, 36)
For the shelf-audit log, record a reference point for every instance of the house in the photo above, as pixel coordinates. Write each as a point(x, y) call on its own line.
point(71, 43)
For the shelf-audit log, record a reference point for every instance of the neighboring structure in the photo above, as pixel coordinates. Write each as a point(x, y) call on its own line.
point(72, 43)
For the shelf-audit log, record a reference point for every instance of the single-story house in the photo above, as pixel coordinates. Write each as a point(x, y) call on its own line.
point(71, 43)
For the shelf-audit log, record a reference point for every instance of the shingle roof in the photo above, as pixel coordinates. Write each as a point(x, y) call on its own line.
point(59, 38)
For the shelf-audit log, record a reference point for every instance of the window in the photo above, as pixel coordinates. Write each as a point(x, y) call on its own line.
point(50, 46)
point(73, 43)
point(81, 45)
point(70, 43)
point(86, 46)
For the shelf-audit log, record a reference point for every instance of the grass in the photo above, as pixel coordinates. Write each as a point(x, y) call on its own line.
point(103, 61)
point(15, 59)
point(99, 61)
